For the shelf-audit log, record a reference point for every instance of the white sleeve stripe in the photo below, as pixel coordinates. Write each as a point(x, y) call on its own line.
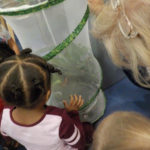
point(73, 135)
point(76, 139)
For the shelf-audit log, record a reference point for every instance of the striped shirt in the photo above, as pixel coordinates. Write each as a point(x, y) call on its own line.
point(56, 130)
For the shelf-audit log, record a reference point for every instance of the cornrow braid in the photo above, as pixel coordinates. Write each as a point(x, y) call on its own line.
point(25, 79)
point(53, 70)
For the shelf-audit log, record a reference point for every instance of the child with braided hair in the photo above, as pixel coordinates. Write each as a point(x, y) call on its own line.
point(25, 82)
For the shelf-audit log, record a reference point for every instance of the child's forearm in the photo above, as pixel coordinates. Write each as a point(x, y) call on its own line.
point(71, 130)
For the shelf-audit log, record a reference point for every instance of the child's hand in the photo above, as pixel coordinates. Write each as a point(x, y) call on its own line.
point(75, 103)
point(95, 6)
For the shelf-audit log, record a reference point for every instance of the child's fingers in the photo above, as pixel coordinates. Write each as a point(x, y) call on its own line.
point(80, 97)
point(81, 103)
point(76, 99)
point(79, 100)
point(65, 103)
point(71, 100)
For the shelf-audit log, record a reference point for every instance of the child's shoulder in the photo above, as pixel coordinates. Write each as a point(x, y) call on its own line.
point(52, 110)
point(8, 108)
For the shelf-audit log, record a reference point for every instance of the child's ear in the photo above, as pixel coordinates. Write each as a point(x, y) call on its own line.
point(48, 94)
point(95, 6)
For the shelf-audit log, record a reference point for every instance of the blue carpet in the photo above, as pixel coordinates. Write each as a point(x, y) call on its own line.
point(125, 96)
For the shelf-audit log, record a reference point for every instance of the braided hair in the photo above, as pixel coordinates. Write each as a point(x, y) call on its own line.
point(25, 79)
point(5, 51)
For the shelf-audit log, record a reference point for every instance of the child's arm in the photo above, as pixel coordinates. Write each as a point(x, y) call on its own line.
point(71, 129)
point(8, 142)
point(72, 108)
point(95, 6)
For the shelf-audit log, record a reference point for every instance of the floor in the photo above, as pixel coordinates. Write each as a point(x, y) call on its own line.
point(125, 96)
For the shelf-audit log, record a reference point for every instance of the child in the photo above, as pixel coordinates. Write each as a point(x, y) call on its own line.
point(123, 131)
point(123, 26)
point(25, 85)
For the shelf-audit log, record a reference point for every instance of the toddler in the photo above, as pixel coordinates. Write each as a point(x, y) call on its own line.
point(25, 86)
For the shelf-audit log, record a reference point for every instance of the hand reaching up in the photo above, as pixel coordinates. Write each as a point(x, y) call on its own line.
point(75, 103)
point(95, 6)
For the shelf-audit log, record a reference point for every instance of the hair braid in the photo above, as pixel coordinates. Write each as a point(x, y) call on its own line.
point(26, 79)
